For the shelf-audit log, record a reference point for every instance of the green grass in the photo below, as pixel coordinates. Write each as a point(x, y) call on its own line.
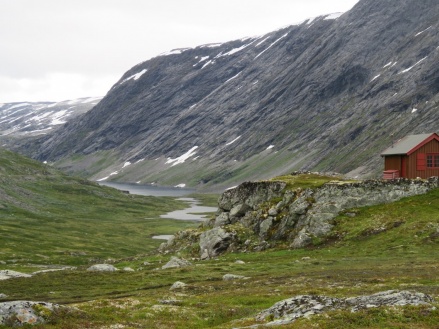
point(51, 219)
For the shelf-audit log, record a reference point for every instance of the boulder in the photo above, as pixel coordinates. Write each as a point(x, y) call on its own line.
point(288, 310)
point(231, 277)
point(102, 268)
point(176, 262)
point(178, 285)
point(18, 313)
point(8, 274)
point(213, 242)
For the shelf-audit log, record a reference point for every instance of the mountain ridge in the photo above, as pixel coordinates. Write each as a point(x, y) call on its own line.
point(327, 95)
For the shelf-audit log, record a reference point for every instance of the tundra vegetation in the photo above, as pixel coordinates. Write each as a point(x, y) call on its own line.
point(49, 220)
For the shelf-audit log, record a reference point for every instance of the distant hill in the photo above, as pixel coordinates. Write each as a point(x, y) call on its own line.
point(30, 119)
point(328, 94)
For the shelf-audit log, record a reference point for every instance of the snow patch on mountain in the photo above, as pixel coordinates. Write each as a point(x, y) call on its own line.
point(233, 77)
point(408, 69)
point(182, 158)
point(419, 33)
point(276, 41)
point(333, 16)
point(233, 141)
point(135, 76)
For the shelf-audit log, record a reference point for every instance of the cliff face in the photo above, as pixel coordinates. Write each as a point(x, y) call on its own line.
point(257, 215)
point(327, 94)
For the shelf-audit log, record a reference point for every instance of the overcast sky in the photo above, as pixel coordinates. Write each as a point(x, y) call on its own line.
point(53, 50)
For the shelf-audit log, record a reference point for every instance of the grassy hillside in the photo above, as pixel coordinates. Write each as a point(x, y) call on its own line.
point(391, 246)
point(49, 218)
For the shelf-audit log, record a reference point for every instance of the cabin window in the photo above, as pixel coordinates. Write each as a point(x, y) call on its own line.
point(433, 160)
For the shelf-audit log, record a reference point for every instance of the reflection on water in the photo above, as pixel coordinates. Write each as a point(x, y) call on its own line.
point(162, 237)
point(194, 212)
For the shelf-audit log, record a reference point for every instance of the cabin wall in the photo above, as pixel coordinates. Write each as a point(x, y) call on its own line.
point(412, 172)
point(392, 162)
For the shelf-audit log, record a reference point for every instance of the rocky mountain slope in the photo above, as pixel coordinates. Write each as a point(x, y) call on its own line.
point(31, 119)
point(328, 94)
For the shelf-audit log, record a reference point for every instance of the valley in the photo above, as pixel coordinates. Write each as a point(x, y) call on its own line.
point(235, 185)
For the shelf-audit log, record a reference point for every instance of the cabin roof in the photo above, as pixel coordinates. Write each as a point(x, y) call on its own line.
point(409, 144)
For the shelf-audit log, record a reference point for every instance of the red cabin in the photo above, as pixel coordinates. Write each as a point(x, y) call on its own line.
point(413, 156)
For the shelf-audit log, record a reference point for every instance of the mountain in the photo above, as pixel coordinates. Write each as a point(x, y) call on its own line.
point(31, 119)
point(328, 94)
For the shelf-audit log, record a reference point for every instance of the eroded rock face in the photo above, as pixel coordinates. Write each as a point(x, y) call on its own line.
point(256, 216)
point(304, 214)
point(288, 310)
point(249, 195)
point(213, 242)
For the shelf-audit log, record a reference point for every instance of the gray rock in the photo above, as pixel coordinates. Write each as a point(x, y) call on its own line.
point(231, 277)
point(222, 219)
point(272, 211)
point(178, 285)
point(301, 240)
point(3, 296)
point(288, 310)
point(8, 274)
point(239, 210)
point(170, 301)
point(265, 227)
point(25, 312)
point(213, 242)
point(128, 269)
point(239, 262)
point(102, 268)
point(176, 262)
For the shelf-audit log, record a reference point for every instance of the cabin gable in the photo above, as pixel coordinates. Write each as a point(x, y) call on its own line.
point(420, 159)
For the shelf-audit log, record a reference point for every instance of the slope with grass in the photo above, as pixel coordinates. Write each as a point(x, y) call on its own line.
point(50, 218)
point(382, 247)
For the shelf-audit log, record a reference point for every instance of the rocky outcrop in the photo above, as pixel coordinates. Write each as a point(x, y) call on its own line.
point(275, 213)
point(288, 310)
point(258, 215)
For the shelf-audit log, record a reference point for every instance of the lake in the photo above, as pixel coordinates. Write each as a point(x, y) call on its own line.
point(151, 190)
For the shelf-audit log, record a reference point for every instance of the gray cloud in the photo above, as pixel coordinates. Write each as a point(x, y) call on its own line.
point(56, 50)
